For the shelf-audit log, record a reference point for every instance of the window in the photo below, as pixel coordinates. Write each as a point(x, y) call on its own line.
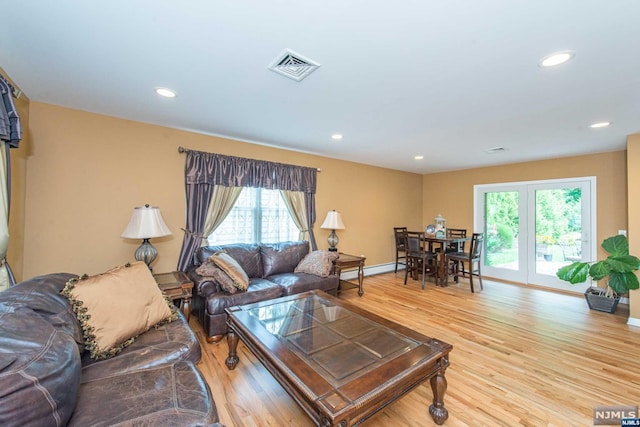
point(259, 216)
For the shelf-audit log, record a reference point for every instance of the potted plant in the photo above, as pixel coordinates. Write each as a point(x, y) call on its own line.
point(618, 268)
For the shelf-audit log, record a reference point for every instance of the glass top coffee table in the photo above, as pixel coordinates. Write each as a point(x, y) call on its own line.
point(339, 362)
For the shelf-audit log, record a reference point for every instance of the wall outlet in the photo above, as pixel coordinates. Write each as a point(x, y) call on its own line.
point(623, 232)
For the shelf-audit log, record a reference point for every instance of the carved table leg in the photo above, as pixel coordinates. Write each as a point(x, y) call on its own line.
point(232, 358)
point(360, 280)
point(437, 410)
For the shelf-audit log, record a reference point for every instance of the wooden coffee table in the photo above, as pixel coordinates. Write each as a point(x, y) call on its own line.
point(340, 363)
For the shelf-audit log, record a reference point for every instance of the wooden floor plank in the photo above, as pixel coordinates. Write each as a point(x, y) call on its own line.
point(521, 357)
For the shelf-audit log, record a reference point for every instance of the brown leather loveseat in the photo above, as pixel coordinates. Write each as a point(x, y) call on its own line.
point(46, 379)
point(270, 268)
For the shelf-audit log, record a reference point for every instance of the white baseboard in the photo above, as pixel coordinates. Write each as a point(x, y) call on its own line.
point(371, 270)
point(632, 321)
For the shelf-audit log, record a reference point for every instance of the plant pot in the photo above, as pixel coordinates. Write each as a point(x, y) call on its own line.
point(598, 301)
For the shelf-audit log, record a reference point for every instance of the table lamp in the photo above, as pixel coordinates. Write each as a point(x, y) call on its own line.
point(333, 222)
point(146, 223)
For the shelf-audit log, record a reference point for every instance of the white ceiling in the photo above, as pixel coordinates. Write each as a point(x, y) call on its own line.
point(444, 79)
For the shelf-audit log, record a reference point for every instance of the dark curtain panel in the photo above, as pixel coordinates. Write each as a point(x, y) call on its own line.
point(11, 134)
point(205, 170)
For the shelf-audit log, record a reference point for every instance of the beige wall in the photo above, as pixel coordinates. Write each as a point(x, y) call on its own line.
point(456, 203)
point(86, 172)
point(633, 178)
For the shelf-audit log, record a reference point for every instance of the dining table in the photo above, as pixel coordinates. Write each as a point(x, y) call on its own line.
point(439, 246)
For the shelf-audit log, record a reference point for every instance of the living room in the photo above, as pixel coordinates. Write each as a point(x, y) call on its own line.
point(77, 175)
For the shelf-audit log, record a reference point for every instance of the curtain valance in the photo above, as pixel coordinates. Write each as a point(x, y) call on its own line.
point(10, 127)
point(231, 171)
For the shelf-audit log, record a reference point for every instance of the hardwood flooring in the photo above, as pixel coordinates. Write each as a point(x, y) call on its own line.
point(521, 357)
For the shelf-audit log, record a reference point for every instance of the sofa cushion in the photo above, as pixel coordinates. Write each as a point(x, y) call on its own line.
point(167, 343)
point(246, 254)
point(116, 306)
point(231, 267)
point(258, 290)
point(167, 395)
point(282, 257)
point(295, 283)
point(318, 263)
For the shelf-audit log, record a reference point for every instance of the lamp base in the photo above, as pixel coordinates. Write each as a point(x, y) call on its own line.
point(333, 241)
point(146, 252)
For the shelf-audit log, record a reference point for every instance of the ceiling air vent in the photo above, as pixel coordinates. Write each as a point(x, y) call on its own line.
point(293, 65)
point(495, 150)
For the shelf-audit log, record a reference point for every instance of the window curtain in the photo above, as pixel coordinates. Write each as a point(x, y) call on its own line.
point(221, 204)
point(10, 136)
point(205, 171)
point(297, 205)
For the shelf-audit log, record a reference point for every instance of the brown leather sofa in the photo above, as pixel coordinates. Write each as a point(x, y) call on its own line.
point(270, 267)
point(46, 379)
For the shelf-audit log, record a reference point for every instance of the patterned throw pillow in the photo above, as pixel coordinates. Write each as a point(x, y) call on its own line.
point(210, 271)
point(116, 306)
point(318, 263)
point(233, 270)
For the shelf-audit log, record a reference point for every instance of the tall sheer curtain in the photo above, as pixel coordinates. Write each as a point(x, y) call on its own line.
point(204, 172)
point(10, 136)
point(296, 204)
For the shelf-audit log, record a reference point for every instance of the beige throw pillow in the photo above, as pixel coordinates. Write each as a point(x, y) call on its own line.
point(232, 268)
point(210, 271)
point(116, 306)
point(318, 263)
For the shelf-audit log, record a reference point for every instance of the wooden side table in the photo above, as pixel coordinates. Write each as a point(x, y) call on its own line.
point(177, 286)
point(351, 261)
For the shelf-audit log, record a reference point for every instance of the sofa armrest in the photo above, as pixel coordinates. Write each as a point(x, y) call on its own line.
point(203, 286)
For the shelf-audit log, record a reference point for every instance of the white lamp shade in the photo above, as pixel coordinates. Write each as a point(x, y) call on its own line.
point(146, 223)
point(333, 221)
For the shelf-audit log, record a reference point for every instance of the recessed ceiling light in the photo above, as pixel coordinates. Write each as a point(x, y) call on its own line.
point(336, 136)
point(599, 125)
point(167, 93)
point(556, 58)
point(419, 157)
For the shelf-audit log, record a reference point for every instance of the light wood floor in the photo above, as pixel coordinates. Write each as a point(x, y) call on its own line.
point(520, 356)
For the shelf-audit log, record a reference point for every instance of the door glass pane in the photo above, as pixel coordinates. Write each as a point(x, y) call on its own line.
point(558, 228)
point(501, 225)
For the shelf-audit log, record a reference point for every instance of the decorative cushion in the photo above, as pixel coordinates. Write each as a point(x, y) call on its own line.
point(233, 269)
point(207, 268)
point(116, 306)
point(225, 282)
point(210, 271)
point(318, 263)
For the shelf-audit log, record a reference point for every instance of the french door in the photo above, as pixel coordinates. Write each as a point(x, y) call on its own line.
point(534, 228)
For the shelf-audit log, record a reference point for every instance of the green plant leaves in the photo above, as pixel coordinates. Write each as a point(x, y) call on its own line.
point(616, 245)
point(619, 267)
point(574, 273)
point(622, 282)
point(622, 263)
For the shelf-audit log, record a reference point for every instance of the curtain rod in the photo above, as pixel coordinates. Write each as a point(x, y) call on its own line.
point(14, 91)
point(184, 150)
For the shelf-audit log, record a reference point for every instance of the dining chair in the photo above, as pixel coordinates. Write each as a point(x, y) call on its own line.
point(418, 258)
point(471, 258)
point(401, 253)
point(457, 246)
point(453, 233)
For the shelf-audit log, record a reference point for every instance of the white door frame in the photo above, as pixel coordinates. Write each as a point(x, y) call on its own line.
point(525, 208)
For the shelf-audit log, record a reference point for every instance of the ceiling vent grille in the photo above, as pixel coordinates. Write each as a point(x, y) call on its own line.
point(293, 65)
point(495, 150)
